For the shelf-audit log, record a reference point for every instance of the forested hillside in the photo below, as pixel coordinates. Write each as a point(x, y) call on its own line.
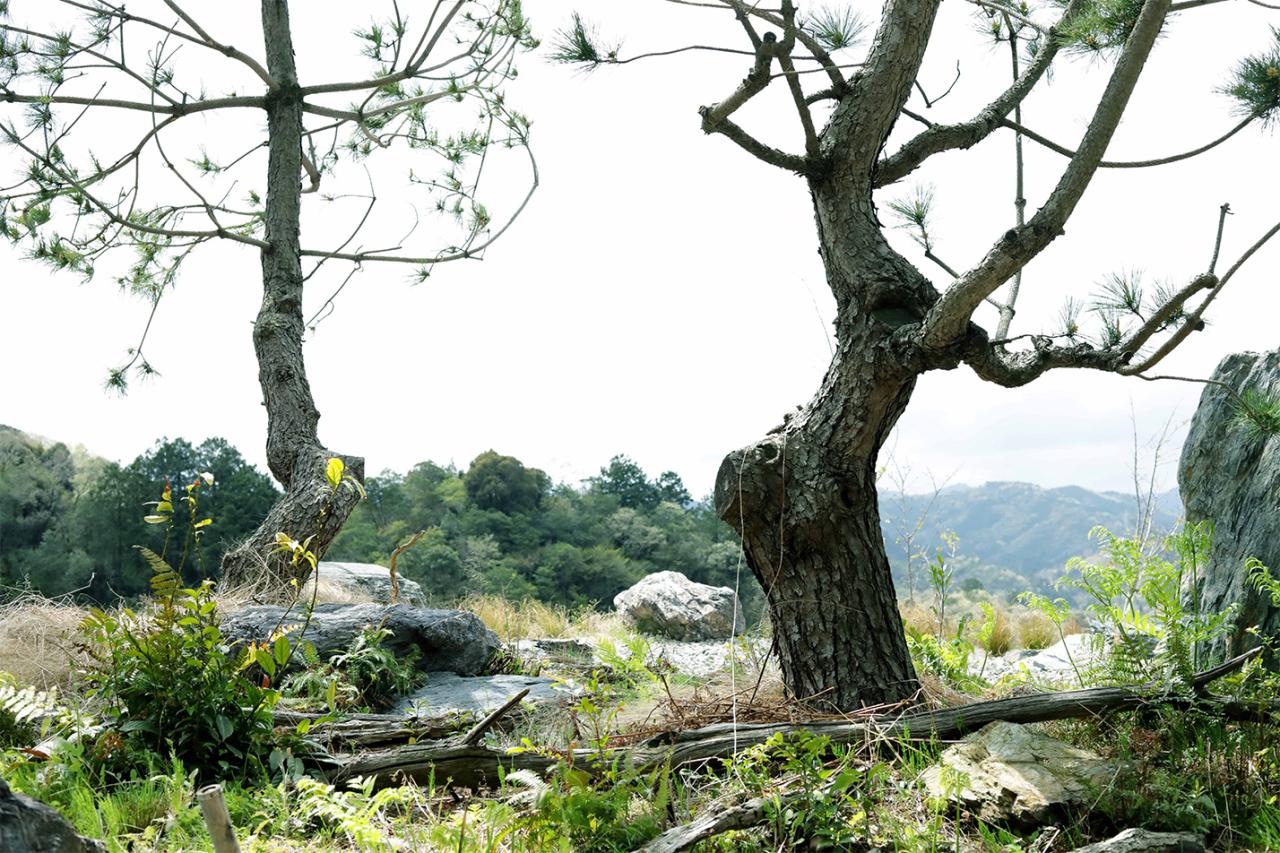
point(70, 521)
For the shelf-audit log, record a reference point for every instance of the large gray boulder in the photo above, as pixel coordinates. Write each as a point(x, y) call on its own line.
point(1007, 773)
point(449, 640)
point(368, 580)
point(29, 826)
point(1230, 475)
point(1145, 841)
point(668, 604)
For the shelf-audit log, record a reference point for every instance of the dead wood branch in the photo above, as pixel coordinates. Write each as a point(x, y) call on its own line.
point(467, 764)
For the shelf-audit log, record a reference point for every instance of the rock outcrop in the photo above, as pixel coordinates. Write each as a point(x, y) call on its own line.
point(668, 604)
point(368, 580)
point(448, 640)
point(29, 826)
point(1064, 663)
point(1229, 475)
point(1007, 773)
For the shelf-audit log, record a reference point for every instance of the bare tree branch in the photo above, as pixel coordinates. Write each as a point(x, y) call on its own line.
point(224, 49)
point(939, 138)
point(1132, 164)
point(949, 316)
point(175, 109)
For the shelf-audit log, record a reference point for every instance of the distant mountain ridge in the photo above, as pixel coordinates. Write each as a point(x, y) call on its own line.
point(1011, 533)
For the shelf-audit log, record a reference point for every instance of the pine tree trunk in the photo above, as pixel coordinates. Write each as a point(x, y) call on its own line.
point(310, 508)
point(804, 498)
point(810, 528)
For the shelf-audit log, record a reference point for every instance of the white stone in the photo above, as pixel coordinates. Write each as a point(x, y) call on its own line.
point(668, 604)
point(1011, 773)
point(367, 580)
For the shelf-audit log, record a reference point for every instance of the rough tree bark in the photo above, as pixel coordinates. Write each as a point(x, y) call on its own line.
point(310, 507)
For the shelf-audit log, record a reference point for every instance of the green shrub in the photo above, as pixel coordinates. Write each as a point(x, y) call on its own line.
point(166, 680)
point(169, 684)
point(366, 675)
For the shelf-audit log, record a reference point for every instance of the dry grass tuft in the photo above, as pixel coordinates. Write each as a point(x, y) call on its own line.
point(1002, 633)
point(1035, 630)
point(37, 637)
point(331, 592)
point(530, 619)
point(920, 618)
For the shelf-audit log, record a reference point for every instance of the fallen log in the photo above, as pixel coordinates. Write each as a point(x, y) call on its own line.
point(746, 815)
point(357, 731)
point(469, 764)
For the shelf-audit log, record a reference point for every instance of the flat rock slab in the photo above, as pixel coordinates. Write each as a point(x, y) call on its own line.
point(699, 658)
point(29, 826)
point(556, 650)
point(1007, 773)
point(448, 693)
point(448, 640)
point(1146, 841)
point(369, 579)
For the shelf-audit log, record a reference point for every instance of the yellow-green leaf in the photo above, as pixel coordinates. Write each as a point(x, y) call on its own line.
point(333, 471)
point(156, 519)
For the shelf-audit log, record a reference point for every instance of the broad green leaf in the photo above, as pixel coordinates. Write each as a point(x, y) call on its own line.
point(281, 649)
point(265, 660)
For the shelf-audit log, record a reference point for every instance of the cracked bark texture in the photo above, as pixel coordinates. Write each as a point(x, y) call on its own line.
point(309, 507)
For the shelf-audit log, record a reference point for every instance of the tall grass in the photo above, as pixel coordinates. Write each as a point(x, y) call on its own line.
point(532, 619)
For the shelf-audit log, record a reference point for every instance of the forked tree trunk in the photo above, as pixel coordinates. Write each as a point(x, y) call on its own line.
point(804, 498)
point(311, 508)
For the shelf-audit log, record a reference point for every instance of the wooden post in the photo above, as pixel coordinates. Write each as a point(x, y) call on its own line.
point(217, 819)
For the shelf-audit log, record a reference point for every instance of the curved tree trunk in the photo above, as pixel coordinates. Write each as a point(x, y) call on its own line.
point(311, 508)
point(804, 497)
point(810, 526)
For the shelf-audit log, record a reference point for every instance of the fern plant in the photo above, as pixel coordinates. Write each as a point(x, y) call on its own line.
point(167, 682)
point(22, 709)
point(1150, 603)
point(365, 675)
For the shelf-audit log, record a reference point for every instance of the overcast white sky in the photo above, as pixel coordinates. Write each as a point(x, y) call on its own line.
point(662, 296)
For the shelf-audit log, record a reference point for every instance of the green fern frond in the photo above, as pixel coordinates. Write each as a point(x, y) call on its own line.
point(26, 704)
point(165, 582)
